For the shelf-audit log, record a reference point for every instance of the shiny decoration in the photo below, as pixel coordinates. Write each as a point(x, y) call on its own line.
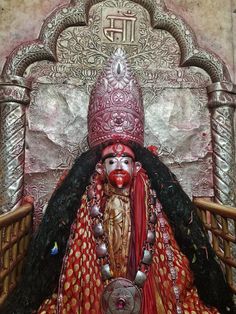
point(63, 86)
point(170, 257)
point(101, 250)
point(54, 250)
point(116, 296)
point(14, 94)
point(222, 104)
point(82, 247)
point(115, 106)
point(140, 278)
point(106, 272)
point(151, 236)
point(121, 296)
point(95, 210)
point(98, 230)
point(147, 257)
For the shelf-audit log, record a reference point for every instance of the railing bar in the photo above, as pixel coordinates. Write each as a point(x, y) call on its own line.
point(9, 218)
point(215, 241)
point(225, 211)
point(15, 228)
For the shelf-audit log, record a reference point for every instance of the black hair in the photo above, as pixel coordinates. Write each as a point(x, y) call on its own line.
point(189, 232)
point(41, 270)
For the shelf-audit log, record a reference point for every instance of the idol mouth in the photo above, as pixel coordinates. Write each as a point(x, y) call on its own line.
point(119, 178)
point(120, 174)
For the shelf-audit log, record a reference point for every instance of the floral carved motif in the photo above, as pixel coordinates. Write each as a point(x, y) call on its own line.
point(66, 59)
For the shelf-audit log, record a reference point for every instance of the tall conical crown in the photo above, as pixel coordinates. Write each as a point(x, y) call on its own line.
point(116, 107)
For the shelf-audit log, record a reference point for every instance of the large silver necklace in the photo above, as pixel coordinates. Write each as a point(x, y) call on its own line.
point(121, 296)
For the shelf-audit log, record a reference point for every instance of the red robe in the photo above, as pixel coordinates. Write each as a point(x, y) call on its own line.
point(81, 286)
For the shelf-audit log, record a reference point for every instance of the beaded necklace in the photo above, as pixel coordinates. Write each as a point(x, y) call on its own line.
point(120, 294)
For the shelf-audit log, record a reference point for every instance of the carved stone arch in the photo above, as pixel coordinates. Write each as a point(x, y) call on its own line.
point(14, 93)
point(222, 98)
point(191, 53)
point(44, 48)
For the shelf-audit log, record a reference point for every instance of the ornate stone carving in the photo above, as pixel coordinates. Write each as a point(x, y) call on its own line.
point(120, 26)
point(149, 5)
point(14, 93)
point(25, 55)
point(222, 94)
point(116, 104)
point(80, 52)
point(191, 53)
point(14, 89)
point(44, 48)
point(222, 104)
point(58, 21)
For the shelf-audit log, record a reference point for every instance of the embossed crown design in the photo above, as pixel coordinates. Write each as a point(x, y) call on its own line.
point(116, 107)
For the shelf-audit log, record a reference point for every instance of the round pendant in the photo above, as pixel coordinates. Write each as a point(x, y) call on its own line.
point(121, 296)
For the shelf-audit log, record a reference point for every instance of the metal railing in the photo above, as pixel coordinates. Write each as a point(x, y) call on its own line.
point(15, 231)
point(220, 222)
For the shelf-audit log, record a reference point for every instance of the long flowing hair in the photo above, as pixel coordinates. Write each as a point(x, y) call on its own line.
point(42, 270)
point(189, 232)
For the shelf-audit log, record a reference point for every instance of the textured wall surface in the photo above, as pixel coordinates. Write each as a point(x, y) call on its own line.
point(213, 24)
point(212, 20)
point(234, 33)
point(21, 21)
point(175, 99)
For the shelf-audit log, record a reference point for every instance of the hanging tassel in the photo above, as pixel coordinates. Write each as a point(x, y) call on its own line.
point(54, 250)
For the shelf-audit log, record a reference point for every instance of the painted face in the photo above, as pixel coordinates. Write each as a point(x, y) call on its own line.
point(119, 170)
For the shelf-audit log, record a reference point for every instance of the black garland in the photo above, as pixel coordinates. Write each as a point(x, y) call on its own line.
point(41, 272)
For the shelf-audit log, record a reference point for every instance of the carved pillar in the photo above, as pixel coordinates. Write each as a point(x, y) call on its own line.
point(222, 103)
point(14, 95)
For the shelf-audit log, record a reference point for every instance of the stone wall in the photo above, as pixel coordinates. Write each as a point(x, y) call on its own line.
point(213, 21)
point(175, 98)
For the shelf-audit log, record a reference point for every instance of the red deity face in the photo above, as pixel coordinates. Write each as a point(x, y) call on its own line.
point(119, 165)
point(119, 171)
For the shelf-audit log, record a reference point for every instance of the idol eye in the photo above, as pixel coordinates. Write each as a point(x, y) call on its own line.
point(111, 162)
point(126, 162)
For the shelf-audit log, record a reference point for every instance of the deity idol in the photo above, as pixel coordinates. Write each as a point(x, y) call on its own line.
point(119, 234)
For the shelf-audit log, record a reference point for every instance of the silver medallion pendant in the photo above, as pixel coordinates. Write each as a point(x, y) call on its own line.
point(121, 296)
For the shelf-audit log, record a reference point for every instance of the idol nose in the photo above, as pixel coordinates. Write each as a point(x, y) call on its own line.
point(119, 165)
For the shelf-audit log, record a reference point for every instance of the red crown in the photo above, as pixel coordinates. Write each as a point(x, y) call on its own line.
point(116, 108)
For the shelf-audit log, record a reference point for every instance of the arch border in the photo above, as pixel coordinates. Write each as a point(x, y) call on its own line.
point(76, 14)
point(44, 47)
point(221, 103)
